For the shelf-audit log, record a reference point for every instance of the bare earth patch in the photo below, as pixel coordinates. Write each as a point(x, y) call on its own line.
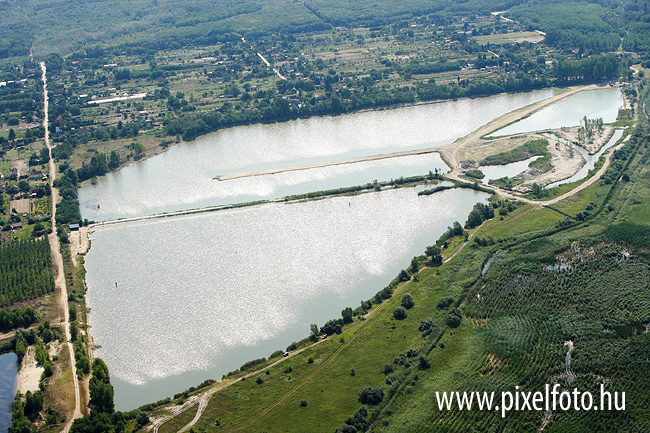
point(480, 149)
point(565, 160)
point(21, 205)
point(30, 372)
point(79, 243)
point(22, 165)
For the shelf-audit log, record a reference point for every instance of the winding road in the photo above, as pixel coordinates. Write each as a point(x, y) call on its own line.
point(57, 260)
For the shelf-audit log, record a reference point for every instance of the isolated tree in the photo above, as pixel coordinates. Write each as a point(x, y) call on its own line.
point(427, 327)
point(473, 219)
point(445, 302)
point(403, 276)
point(44, 155)
point(114, 160)
point(415, 266)
point(73, 331)
point(39, 230)
point(454, 318)
point(407, 301)
point(314, 332)
point(537, 190)
point(23, 186)
point(423, 363)
point(332, 326)
point(399, 313)
point(137, 148)
point(371, 395)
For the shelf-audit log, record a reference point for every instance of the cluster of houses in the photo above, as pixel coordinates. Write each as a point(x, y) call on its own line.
point(14, 173)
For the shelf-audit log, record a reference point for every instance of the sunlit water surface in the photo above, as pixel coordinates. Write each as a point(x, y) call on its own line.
point(182, 177)
point(603, 103)
point(197, 296)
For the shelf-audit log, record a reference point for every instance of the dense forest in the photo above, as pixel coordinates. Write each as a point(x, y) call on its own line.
point(63, 26)
point(25, 270)
point(17, 318)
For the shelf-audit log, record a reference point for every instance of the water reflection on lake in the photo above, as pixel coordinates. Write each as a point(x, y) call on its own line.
point(207, 192)
point(196, 296)
point(199, 295)
point(597, 103)
point(492, 172)
point(181, 177)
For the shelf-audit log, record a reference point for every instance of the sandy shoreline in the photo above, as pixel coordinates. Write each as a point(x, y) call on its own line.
point(326, 164)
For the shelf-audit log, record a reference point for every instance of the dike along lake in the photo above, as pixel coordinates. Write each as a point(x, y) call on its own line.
point(199, 295)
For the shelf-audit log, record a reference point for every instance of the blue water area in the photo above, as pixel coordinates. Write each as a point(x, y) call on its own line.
point(8, 387)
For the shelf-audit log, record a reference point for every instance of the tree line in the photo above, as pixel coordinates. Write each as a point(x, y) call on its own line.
point(17, 318)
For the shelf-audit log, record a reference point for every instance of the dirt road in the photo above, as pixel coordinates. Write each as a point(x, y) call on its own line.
point(269, 65)
point(57, 260)
point(596, 177)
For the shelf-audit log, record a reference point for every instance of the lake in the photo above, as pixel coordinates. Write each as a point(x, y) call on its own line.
point(175, 301)
point(199, 295)
point(570, 111)
point(182, 177)
point(492, 172)
point(8, 387)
